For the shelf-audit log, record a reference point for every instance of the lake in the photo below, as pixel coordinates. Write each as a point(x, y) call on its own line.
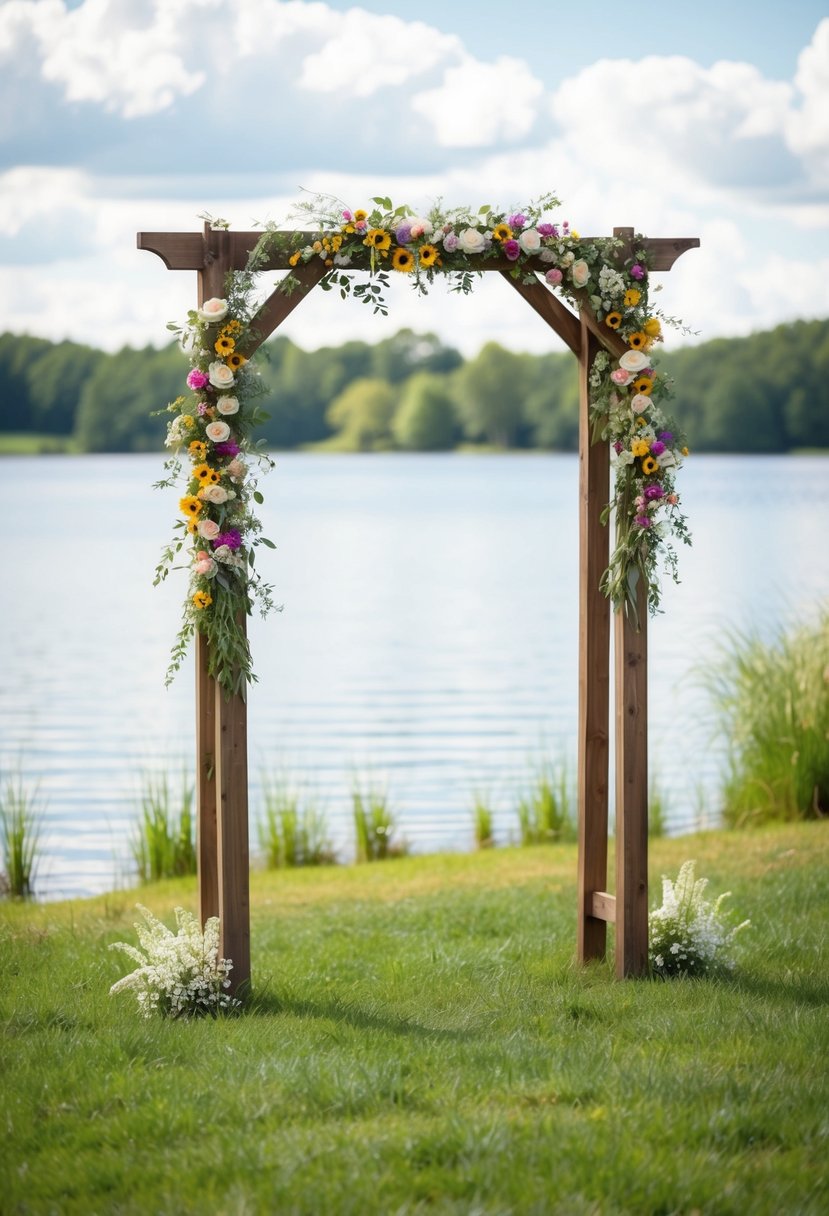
point(428, 638)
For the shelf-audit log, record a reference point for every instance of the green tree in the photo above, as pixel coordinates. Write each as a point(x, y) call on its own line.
point(120, 395)
point(362, 415)
point(397, 358)
point(425, 417)
point(56, 382)
point(489, 395)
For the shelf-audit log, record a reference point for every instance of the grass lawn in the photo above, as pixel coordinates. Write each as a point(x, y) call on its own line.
point(29, 443)
point(420, 1041)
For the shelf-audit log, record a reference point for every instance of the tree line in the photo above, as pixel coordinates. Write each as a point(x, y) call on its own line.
point(764, 393)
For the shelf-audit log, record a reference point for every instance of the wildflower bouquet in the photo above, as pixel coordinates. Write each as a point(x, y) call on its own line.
point(179, 974)
point(689, 935)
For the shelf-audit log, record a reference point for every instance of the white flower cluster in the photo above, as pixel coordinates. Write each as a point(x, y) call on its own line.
point(688, 933)
point(180, 974)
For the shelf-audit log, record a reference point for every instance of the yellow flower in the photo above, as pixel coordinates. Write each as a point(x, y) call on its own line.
point(190, 506)
point(360, 215)
point(187, 420)
point(649, 465)
point(575, 235)
point(317, 246)
point(202, 473)
point(403, 260)
point(192, 526)
point(429, 255)
point(613, 320)
point(652, 327)
point(685, 452)
point(202, 599)
point(294, 258)
point(236, 360)
point(349, 228)
point(637, 341)
point(379, 238)
point(641, 422)
point(197, 449)
point(224, 346)
point(231, 330)
point(640, 447)
point(632, 297)
point(643, 385)
point(502, 232)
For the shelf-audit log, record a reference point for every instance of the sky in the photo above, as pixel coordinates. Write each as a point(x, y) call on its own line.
point(119, 116)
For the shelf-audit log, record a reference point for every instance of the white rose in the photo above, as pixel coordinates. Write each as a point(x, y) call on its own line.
point(237, 470)
point(220, 375)
point(217, 431)
point(208, 528)
point(640, 403)
point(546, 255)
point(529, 240)
point(472, 241)
point(214, 494)
point(634, 361)
point(580, 273)
point(567, 259)
point(227, 405)
point(420, 226)
point(213, 310)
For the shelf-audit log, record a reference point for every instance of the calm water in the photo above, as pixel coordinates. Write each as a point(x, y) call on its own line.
point(428, 637)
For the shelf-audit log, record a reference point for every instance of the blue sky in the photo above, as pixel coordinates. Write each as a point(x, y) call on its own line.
point(122, 115)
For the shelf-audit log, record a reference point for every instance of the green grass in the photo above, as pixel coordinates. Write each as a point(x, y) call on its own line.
point(291, 833)
point(420, 1041)
point(545, 810)
point(27, 443)
point(374, 825)
point(20, 819)
point(163, 843)
point(772, 700)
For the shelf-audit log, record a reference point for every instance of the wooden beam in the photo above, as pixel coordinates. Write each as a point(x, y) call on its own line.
point(557, 315)
point(631, 645)
point(281, 304)
point(603, 906)
point(234, 861)
point(206, 838)
point(594, 666)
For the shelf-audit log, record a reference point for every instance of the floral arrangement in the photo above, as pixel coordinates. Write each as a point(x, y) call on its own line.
point(179, 974)
point(689, 935)
point(214, 421)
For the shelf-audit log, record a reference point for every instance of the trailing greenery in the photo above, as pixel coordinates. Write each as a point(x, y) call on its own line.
point(163, 841)
point(20, 825)
point(438, 399)
point(374, 825)
point(772, 701)
point(419, 1041)
point(291, 834)
point(545, 810)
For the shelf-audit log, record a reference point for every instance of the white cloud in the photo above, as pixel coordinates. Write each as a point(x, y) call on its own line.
point(480, 104)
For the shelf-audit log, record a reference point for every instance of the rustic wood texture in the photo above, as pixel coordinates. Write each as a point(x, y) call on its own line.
point(234, 861)
point(557, 315)
point(603, 906)
point(631, 650)
point(206, 820)
point(594, 666)
point(280, 304)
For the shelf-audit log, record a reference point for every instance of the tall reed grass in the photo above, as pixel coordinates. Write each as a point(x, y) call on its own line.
point(163, 842)
point(772, 703)
point(292, 834)
point(374, 825)
point(546, 808)
point(20, 823)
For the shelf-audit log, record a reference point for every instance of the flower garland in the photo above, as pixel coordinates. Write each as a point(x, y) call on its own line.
point(215, 421)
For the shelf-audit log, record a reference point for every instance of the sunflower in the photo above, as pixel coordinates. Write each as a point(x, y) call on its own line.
point(403, 260)
point(649, 465)
point(643, 385)
point(640, 447)
point(197, 449)
point(653, 327)
point(192, 526)
point(641, 421)
point(632, 297)
point(502, 232)
point(429, 255)
point(224, 346)
point(360, 215)
point(294, 258)
point(236, 360)
point(613, 320)
point(637, 341)
point(203, 473)
point(190, 506)
point(379, 239)
point(202, 599)
point(231, 330)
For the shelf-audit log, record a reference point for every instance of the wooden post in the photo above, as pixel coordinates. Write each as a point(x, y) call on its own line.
point(207, 840)
point(594, 670)
point(631, 646)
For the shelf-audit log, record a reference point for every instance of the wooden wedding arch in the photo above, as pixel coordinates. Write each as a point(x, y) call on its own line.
point(221, 721)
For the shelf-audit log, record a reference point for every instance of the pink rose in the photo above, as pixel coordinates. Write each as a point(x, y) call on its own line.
point(197, 379)
point(529, 240)
point(217, 431)
point(204, 564)
point(580, 273)
point(213, 310)
point(237, 470)
point(620, 376)
point(214, 494)
point(208, 529)
point(553, 277)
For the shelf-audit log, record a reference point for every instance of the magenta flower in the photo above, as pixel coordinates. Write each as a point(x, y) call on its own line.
point(618, 447)
point(666, 436)
point(654, 491)
point(637, 272)
point(347, 215)
point(546, 230)
point(657, 448)
point(197, 379)
point(202, 408)
point(228, 448)
point(232, 538)
point(517, 221)
point(642, 521)
point(554, 276)
point(511, 249)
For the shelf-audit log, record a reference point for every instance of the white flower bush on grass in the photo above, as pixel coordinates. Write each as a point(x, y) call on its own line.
point(180, 974)
point(689, 935)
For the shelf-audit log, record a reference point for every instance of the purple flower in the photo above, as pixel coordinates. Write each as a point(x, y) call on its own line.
point(512, 250)
point(517, 221)
point(642, 521)
point(229, 448)
point(202, 408)
point(546, 230)
point(566, 225)
point(653, 491)
point(450, 242)
point(197, 379)
point(657, 448)
point(232, 538)
point(403, 234)
point(618, 447)
point(637, 272)
point(666, 436)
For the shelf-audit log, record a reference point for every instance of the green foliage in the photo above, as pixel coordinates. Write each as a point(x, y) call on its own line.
point(483, 822)
point(291, 834)
point(374, 825)
point(20, 821)
point(119, 398)
point(657, 809)
point(362, 415)
point(163, 841)
point(419, 1041)
point(425, 418)
point(690, 935)
point(545, 810)
point(772, 702)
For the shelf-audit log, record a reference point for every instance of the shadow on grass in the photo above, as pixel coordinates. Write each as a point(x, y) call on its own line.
point(269, 1004)
point(798, 989)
